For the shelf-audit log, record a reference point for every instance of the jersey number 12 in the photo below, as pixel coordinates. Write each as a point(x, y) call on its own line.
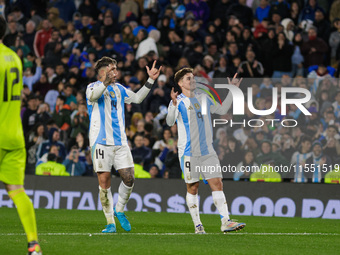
point(14, 82)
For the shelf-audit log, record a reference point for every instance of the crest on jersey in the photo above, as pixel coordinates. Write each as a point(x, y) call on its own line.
point(197, 106)
point(112, 94)
point(190, 108)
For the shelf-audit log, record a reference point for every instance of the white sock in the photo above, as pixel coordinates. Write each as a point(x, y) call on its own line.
point(106, 199)
point(221, 204)
point(193, 205)
point(124, 193)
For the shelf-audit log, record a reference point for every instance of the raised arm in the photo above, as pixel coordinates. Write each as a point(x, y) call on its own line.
point(93, 93)
point(172, 109)
point(138, 97)
point(226, 104)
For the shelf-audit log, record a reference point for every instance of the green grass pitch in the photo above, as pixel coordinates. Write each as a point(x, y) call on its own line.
point(68, 232)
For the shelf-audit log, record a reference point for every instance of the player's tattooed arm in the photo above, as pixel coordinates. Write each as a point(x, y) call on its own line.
point(128, 176)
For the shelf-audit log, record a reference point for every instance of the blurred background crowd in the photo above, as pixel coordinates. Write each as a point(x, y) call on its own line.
point(293, 43)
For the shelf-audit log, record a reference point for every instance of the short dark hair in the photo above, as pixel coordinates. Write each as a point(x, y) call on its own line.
point(333, 126)
point(3, 26)
point(104, 61)
point(180, 74)
point(61, 97)
point(306, 138)
point(68, 86)
point(51, 157)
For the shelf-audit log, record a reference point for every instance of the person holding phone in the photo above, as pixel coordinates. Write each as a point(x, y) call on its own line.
point(72, 163)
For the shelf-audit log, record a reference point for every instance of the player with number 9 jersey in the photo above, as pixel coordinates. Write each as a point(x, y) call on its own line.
point(196, 155)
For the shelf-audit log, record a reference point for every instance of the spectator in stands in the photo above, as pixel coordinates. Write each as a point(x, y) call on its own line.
point(280, 7)
point(80, 123)
point(282, 57)
point(334, 10)
point(70, 98)
point(308, 12)
point(29, 119)
point(10, 38)
point(53, 17)
point(42, 37)
point(330, 139)
point(251, 67)
point(110, 27)
point(66, 9)
point(295, 12)
point(72, 163)
point(321, 164)
point(297, 58)
point(139, 168)
point(334, 41)
point(62, 113)
point(33, 139)
point(171, 163)
point(128, 6)
point(97, 46)
point(233, 153)
point(322, 25)
point(148, 44)
point(243, 13)
point(86, 28)
point(141, 151)
point(246, 167)
point(154, 171)
point(119, 46)
point(88, 7)
point(29, 79)
point(29, 34)
point(145, 24)
point(262, 11)
point(51, 167)
point(314, 49)
point(200, 9)
point(53, 139)
point(336, 105)
point(160, 95)
point(299, 158)
point(267, 155)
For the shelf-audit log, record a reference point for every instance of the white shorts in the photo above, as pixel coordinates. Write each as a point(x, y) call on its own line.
point(106, 156)
point(207, 166)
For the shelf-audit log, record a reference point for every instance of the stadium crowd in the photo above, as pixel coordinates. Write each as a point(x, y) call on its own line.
point(270, 43)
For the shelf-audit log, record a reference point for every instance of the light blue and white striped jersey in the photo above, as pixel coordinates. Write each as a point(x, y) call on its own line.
point(107, 118)
point(195, 134)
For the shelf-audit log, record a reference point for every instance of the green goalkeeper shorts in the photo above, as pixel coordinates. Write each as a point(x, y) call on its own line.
point(12, 166)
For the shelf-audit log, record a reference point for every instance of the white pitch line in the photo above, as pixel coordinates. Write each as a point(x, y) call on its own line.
point(175, 234)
